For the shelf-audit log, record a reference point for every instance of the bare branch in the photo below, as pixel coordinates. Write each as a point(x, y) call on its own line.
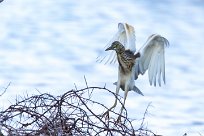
point(71, 113)
point(5, 89)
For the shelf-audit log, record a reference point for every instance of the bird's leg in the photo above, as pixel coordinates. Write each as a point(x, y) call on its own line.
point(116, 95)
point(123, 106)
point(115, 103)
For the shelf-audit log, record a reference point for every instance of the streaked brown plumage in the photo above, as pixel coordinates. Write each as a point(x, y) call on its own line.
point(150, 57)
point(126, 60)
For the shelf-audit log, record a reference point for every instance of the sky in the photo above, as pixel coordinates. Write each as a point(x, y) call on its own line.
point(51, 45)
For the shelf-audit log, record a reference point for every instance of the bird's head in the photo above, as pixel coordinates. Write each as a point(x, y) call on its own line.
point(117, 46)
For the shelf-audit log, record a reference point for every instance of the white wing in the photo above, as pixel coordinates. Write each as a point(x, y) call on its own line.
point(152, 59)
point(126, 36)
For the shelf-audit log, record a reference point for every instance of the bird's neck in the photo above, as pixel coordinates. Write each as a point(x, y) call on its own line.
point(126, 60)
point(120, 50)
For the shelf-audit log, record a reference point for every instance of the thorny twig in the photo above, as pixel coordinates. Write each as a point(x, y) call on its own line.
point(69, 114)
point(5, 89)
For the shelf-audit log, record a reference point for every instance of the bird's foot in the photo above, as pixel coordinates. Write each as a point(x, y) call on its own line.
point(106, 114)
point(119, 119)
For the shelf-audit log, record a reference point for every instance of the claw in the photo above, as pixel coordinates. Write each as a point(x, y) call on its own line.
point(119, 119)
point(106, 114)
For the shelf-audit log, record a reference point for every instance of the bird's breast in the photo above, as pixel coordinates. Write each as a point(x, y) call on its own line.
point(125, 63)
point(126, 70)
point(126, 79)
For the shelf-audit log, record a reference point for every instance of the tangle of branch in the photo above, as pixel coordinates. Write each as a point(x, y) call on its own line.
point(68, 114)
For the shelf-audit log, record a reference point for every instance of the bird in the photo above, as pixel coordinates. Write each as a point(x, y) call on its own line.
point(131, 63)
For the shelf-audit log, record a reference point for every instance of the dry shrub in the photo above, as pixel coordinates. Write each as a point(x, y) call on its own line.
point(68, 114)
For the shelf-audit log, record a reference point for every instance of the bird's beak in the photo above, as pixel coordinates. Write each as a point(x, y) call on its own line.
point(109, 48)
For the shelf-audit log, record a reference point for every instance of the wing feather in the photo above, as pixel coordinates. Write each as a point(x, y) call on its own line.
point(152, 59)
point(126, 36)
point(159, 71)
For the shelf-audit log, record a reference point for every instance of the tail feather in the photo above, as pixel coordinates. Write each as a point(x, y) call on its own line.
point(137, 90)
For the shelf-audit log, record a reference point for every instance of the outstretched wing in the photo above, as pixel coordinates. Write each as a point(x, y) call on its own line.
point(126, 36)
point(152, 59)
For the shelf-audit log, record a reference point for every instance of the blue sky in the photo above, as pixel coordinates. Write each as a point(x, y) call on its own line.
point(50, 45)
